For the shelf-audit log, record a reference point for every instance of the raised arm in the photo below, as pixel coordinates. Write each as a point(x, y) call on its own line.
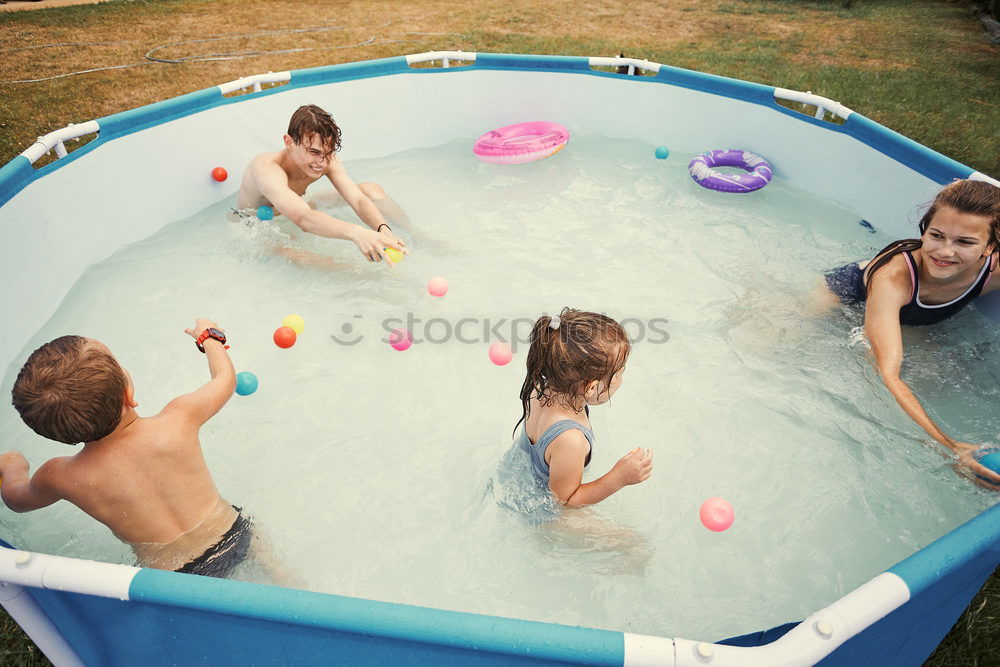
point(890, 291)
point(22, 493)
point(567, 455)
point(200, 405)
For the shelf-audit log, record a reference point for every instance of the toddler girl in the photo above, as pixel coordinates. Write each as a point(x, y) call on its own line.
point(576, 360)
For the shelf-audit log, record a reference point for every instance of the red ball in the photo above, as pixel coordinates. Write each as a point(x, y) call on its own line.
point(220, 174)
point(284, 337)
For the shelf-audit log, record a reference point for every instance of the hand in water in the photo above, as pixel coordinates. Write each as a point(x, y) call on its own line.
point(635, 467)
point(372, 245)
point(966, 459)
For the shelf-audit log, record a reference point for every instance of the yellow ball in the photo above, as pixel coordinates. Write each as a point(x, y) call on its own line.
point(294, 322)
point(395, 255)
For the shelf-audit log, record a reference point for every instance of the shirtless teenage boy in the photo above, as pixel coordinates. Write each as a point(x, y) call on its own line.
point(280, 180)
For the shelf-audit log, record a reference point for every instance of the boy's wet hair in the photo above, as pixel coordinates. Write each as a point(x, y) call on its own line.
point(310, 120)
point(964, 196)
point(562, 361)
point(71, 391)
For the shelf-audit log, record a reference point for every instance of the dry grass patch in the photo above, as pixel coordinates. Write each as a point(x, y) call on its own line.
point(785, 43)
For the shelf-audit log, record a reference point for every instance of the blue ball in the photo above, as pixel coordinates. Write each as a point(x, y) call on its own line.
point(662, 153)
point(246, 383)
point(265, 213)
point(989, 459)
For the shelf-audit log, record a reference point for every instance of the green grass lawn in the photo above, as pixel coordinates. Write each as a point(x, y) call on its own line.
point(925, 69)
point(922, 68)
point(16, 649)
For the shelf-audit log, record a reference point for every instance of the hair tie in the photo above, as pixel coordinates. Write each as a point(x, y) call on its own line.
point(554, 322)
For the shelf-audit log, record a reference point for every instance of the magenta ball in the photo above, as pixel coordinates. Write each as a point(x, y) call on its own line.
point(437, 286)
point(500, 354)
point(400, 339)
point(716, 514)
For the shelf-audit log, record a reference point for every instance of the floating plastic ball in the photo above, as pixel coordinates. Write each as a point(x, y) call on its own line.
point(437, 286)
point(395, 255)
point(220, 174)
point(716, 514)
point(265, 213)
point(295, 323)
point(400, 339)
point(988, 458)
point(500, 354)
point(662, 153)
point(284, 337)
point(246, 383)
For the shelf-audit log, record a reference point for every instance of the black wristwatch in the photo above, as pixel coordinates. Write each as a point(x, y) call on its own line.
point(210, 332)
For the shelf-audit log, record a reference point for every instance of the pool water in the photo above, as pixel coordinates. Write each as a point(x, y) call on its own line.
point(376, 473)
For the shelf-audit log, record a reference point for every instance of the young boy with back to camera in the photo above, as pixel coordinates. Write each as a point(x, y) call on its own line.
point(145, 478)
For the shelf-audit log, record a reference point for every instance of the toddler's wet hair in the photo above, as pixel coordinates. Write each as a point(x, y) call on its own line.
point(567, 353)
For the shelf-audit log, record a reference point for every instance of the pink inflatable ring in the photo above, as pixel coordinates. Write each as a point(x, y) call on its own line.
point(523, 142)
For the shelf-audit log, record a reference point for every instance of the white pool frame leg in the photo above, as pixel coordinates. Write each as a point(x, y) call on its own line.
point(26, 612)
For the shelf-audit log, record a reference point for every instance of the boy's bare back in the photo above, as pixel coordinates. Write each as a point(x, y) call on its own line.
point(147, 483)
point(147, 480)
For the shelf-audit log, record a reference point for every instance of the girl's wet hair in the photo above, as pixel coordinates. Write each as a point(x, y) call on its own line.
point(562, 361)
point(964, 196)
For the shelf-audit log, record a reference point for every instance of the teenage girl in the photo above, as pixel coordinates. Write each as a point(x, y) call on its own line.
point(915, 282)
point(576, 360)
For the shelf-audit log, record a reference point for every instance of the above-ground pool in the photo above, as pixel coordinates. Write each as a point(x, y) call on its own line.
point(379, 476)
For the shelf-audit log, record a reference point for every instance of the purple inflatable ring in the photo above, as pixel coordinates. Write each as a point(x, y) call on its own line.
point(701, 171)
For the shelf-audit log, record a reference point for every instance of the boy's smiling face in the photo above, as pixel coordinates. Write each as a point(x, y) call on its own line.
point(311, 156)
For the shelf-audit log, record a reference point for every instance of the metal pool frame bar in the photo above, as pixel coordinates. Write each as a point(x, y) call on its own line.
point(83, 612)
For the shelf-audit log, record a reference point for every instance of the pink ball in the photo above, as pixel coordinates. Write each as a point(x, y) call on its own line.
point(400, 339)
point(500, 354)
point(437, 286)
point(716, 514)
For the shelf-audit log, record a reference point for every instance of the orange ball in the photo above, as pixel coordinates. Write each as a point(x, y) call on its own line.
point(220, 174)
point(284, 337)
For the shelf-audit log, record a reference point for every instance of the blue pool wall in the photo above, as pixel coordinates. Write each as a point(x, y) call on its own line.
point(60, 218)
point(226, 622)
point(942, 578)
point(170, 618)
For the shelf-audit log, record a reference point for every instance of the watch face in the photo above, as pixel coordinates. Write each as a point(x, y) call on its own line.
point(215, 333)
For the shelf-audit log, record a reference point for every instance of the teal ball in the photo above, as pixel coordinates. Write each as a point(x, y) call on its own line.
point(988, 459)
point(662, 153)
point(246, 383)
